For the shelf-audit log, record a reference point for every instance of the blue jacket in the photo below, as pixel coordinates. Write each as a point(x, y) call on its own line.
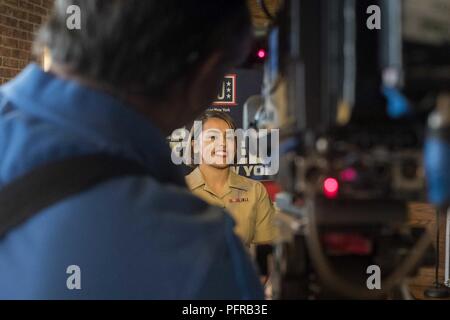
point(132, 237)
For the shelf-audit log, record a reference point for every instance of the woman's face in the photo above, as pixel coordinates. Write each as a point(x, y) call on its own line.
point(218, 145)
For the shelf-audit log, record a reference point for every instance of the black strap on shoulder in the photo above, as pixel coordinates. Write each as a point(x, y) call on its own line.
point(51, 183)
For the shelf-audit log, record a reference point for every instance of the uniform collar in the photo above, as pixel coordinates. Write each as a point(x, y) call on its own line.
point(96, 117)
point(195, 179)
point(235, 181)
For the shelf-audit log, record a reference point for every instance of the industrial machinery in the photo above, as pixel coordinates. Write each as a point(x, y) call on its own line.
point(359, 90)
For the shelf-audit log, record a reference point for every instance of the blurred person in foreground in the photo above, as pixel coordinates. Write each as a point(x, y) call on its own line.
point(135, 71)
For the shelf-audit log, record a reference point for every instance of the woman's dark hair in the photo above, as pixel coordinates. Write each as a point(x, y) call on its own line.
point(212, 114)
point(145, 46)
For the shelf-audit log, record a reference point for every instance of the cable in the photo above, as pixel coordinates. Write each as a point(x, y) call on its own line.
point(339, 284)
point(404, 290)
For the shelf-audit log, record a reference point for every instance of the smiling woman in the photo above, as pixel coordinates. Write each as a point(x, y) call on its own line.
point(214, 140)
point(213, 180)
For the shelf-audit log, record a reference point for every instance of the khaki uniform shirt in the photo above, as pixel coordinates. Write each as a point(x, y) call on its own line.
point(246, 200)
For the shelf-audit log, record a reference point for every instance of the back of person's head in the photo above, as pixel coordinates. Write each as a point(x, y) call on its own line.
point(146, 47)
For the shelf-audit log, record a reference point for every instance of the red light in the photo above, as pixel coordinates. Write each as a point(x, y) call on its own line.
point(330, 187)
point(261, 53)
point(349, 175)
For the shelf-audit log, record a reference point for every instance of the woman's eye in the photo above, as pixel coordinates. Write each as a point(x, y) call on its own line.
point(210, 139)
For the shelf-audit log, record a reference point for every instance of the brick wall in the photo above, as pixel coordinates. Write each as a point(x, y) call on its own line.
point(19, 20)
